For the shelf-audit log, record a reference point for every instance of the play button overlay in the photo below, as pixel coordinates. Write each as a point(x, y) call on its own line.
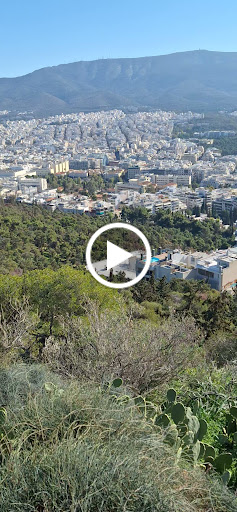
point(116, 255)
point(116, 259)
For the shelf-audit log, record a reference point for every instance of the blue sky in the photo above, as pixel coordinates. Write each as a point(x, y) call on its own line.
point(39, 33)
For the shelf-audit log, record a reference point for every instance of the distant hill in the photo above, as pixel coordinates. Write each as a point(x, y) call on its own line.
point(197, 80)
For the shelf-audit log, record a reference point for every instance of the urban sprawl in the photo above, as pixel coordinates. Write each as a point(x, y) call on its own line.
point(137, 161)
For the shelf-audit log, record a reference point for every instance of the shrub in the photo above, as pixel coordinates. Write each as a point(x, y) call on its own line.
point(109, 345)
point(96, 455)
point(222, 348)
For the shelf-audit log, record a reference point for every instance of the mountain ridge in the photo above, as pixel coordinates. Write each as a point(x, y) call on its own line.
point(195, 80)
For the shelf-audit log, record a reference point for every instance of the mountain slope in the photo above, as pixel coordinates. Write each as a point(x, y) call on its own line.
point(197, 80)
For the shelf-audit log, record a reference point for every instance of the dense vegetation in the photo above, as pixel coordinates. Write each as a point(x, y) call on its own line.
point(112, 400)
point(32, 237)
point(211, 121)
point(87, 187)
point(176, 230)
point(227, 145)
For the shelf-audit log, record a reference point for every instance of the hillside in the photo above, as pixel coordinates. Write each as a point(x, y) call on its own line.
point(113, 400)
point(196, 80)
point(34, 238)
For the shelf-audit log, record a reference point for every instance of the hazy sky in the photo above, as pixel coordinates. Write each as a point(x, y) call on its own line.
point(38, 33)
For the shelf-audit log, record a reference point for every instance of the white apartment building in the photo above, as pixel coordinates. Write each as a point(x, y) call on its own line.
point(218, 269)
point(131, 185)
point(163, 179)
point(183, 181)
point(15, 172)
point(39, 184)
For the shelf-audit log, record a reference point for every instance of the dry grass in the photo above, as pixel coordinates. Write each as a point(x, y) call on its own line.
point(74, 449)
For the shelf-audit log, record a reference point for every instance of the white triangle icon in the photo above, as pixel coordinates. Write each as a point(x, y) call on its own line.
point(116, 255)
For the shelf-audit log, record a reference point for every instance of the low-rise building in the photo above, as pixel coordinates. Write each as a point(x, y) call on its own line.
point(218, 269)
point(78, 174)
point(39, 184)
point(183, 181)
point(43, 173)
point(131, 185)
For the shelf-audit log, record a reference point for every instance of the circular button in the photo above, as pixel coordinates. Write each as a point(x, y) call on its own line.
point(116, 254)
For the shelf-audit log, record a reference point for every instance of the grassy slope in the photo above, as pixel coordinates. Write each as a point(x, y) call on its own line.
point(75, 449)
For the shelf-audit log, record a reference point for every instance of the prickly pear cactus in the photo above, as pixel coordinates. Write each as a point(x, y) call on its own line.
point(185, 432)
point(171, 395)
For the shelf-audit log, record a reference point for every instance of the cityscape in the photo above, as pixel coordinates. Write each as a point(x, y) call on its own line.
point(136, 154)
point(118, 256)
point(126, 160)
